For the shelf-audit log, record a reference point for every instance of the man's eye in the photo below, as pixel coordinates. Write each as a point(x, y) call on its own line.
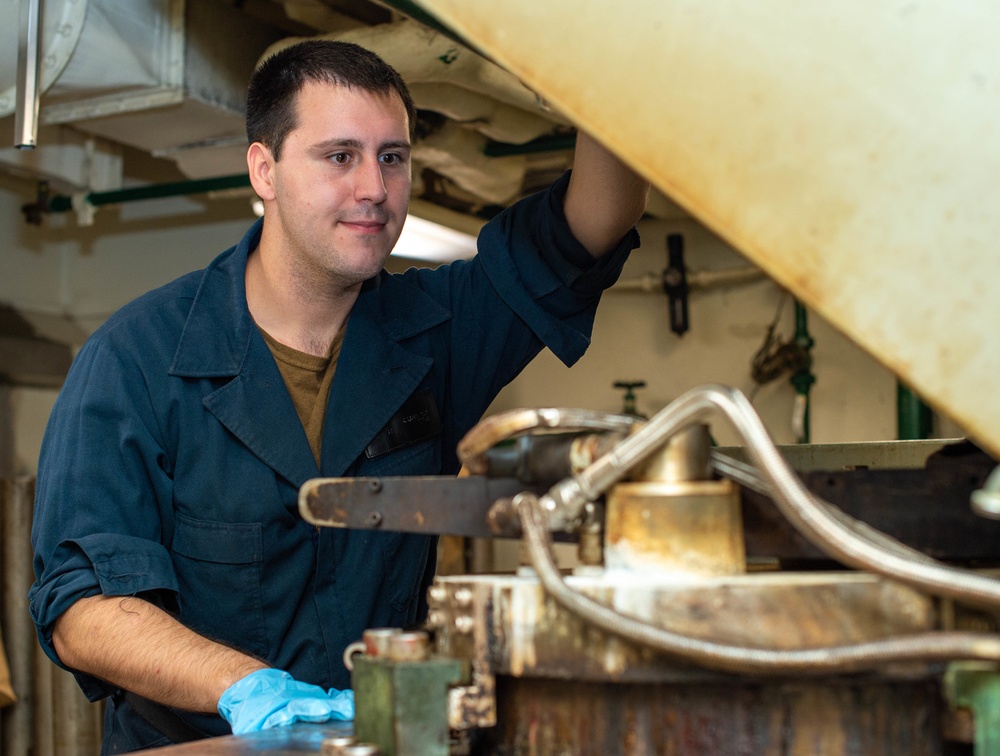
point(340, 158)
point(390, 158)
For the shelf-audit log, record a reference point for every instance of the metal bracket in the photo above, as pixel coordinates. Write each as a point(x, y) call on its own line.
point(976, 686)
point(675, 284)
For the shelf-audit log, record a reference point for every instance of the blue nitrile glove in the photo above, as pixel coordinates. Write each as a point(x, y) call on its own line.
point(272, 698)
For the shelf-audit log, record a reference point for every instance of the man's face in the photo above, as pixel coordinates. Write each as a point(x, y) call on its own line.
point(342, 184)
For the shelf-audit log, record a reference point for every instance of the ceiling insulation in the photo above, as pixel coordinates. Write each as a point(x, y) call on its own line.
point(168, 78)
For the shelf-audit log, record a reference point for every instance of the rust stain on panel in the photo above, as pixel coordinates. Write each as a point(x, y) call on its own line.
point(818, 139)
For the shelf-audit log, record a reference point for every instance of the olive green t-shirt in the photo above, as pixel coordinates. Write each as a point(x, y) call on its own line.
point(307, 378)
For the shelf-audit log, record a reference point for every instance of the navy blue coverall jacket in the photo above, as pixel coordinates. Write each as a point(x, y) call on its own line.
point(173, 457)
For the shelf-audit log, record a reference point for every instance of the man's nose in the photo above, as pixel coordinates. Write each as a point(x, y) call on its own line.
point(369, 183)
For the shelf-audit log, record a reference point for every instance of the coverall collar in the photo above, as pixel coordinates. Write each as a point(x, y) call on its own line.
point(375, 374)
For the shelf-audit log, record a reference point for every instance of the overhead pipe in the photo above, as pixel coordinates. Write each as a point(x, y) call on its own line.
point(652, 283)
point(84, 203)
point(62, 203)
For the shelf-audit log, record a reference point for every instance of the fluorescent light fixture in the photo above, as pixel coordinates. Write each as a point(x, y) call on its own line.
point(422, 240)
point(425, 240)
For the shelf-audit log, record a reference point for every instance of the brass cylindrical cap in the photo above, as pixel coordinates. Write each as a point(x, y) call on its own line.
point(413, 646)
point(376, 639)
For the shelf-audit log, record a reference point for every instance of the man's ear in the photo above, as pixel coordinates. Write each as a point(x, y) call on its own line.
point(260, 163)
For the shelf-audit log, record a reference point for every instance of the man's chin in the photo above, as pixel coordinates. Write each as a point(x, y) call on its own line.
point(366, 271)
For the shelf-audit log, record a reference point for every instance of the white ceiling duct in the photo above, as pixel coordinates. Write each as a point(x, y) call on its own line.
point(100, 56)
point(151, 74)
point(164, 77)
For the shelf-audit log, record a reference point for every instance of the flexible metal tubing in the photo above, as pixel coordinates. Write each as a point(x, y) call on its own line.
point(814, 518)
point(474, 445)
point(747, 477)
point(566, 499)
point(923, 647)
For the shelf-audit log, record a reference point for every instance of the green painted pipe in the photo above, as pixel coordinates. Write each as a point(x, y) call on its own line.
point(913, 417)
point(61, 203)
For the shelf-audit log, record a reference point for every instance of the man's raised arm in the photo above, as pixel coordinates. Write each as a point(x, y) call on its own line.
point(604, 199)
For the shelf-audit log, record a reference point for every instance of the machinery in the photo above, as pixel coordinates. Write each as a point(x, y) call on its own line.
point(709, 612)
point(845, 150)
point(744, 600)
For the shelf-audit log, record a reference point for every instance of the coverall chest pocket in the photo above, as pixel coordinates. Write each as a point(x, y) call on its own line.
point(218, 567)
point(423, 458)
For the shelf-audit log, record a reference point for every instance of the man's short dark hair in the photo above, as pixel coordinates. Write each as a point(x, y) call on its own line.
point(276, 82)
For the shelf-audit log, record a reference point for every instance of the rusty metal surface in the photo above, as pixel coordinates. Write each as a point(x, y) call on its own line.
point(927, 509)
point(473, 447)
point(473, 705)
point(692, 528)
point(847, 149)
point(402, 706)
point(443, 505)
point(508, 623)
point(733, 718)
point(870, 455)
point(548, 457)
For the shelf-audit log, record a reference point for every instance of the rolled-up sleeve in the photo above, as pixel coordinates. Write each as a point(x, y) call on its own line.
point(99, 505)
point(544, 274)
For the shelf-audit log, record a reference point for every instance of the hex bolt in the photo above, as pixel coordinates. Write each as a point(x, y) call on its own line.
point(374, 519)
point(374, 485)
point(437, 594)
point(463, 597)
point(464, 624)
